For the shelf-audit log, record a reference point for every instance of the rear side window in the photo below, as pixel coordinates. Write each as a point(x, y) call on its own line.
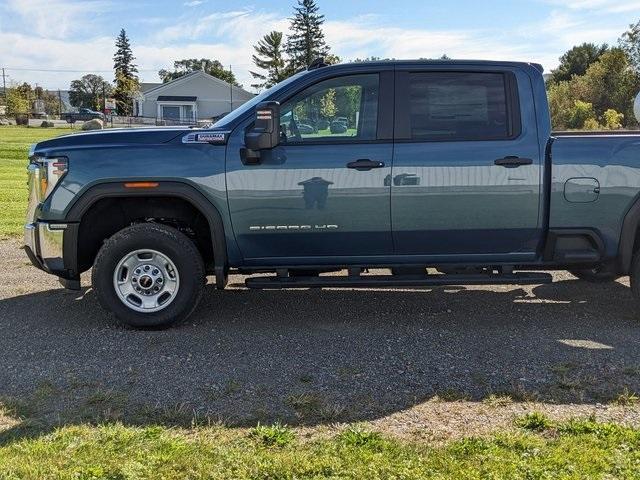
point(458, 106)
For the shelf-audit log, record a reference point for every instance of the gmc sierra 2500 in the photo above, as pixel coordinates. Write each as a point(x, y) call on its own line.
point(405, 165)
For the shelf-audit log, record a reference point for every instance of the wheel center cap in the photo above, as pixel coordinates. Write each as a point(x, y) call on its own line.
point(145, 281)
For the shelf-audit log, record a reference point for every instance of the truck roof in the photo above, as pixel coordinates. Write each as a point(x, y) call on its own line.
point(444, 63)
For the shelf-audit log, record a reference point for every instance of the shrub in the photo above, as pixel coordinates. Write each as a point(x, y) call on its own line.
point(591, 124)
point(46, 124)
point(612, 119)
point(580, 114)
point(534, 421)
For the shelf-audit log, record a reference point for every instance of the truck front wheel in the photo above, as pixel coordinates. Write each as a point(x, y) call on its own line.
point(149, 275)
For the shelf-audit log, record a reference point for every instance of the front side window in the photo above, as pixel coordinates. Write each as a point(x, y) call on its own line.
point(338, 109)
point(458, 106)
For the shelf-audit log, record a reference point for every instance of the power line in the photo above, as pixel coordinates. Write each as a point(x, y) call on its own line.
point(60, 70)
point(64, 70)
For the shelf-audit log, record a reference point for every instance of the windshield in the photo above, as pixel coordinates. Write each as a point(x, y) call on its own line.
point(245, 107)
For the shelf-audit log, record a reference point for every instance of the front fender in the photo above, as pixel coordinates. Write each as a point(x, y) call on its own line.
point(163, 189)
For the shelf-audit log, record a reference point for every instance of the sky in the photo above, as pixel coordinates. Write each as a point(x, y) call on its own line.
point(51, 42)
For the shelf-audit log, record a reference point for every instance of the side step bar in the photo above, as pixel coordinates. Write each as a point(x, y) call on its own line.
point(373, 281)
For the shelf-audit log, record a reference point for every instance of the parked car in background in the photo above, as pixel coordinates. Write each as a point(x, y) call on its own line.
point(304, 128)
point(82, 115)
point(449, 165)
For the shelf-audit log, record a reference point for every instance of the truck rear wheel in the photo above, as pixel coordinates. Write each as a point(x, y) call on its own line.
point(149, 275)
point(594, 275)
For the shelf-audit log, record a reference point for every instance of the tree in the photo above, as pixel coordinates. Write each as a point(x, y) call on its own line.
point(89, 91)
point(306, 42)
point(577, 60)
point(126, 80)
point(17, 103)
point(51, 100)
point(629, 42)
point(608, 84)
point(188, 65)
point(328, 104)
point(270, 57)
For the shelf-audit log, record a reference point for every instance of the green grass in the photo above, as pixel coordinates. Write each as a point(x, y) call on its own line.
point(575, 449)
point(276, 435)
point(534, 421)
point(14, 145)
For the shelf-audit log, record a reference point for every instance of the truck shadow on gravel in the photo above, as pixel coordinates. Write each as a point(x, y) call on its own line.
point(312, 357)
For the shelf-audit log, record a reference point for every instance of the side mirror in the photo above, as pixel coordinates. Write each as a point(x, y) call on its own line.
point(265, 133)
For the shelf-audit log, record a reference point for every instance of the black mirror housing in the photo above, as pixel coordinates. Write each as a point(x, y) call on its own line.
point(265, 133)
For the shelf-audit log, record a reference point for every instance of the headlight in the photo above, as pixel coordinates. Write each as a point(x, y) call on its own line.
point(46, 173)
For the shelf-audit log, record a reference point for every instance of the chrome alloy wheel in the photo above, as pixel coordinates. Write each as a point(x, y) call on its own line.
point(146, 281)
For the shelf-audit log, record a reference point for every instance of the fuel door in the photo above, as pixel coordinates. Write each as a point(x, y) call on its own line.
point(581, 190)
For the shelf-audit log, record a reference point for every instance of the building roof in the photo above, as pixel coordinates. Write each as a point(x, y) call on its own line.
point(187, 77)
point(146, 86)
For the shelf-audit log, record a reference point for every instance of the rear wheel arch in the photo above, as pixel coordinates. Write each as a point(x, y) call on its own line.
point(629, 242)
point(178, 190)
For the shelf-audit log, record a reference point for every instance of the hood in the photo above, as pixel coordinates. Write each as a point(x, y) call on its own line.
point(116, 136)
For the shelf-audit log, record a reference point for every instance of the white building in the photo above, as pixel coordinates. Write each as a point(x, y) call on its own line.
point(194, 96)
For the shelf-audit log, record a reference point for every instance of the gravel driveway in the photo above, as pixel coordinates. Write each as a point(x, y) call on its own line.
point(410, 361)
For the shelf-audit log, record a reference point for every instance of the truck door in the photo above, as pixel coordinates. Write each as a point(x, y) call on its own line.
point(324, 192)
point(466, 180)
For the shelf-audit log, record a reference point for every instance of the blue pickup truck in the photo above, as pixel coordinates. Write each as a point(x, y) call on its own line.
point(438, 172)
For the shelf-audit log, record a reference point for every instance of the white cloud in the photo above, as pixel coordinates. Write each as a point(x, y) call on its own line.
point(55, 18)
point(229, 36)
point(236, 26)
point(193, 3)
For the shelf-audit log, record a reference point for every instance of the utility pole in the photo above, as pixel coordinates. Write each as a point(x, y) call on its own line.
point(230, 93)
point(4, 85)
point(59, 103)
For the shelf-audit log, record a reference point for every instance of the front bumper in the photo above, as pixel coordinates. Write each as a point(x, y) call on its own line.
point(44, 245)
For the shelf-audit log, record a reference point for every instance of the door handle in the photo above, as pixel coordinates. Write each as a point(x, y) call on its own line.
point(365, 164)
point(513, 161)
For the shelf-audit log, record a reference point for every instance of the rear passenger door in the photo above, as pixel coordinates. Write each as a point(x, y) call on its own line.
point(466, 179)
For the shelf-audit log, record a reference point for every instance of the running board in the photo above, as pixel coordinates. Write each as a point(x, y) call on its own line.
point(373, 281)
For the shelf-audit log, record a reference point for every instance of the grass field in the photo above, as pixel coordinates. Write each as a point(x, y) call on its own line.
point(577, 449)
point(14, 145)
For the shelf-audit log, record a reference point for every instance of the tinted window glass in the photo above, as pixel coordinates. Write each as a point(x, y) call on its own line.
point(343, 108)
point(458, 106)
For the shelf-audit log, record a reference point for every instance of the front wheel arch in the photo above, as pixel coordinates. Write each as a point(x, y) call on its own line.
point(163, 189)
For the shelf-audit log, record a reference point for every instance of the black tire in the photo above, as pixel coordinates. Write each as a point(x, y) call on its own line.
point(594, 275)
point(634, 277)
point(169, 242)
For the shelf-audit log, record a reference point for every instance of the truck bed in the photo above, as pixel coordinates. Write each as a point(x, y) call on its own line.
point(595, 178)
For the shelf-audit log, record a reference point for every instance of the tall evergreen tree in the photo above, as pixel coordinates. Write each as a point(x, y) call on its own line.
point(126, 80)
point(269, 57)
point(306, 42)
